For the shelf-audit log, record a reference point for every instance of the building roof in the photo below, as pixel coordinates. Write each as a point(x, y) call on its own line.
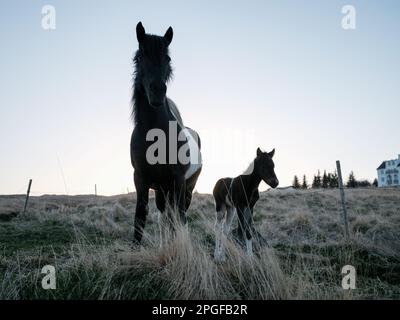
point(382, 166)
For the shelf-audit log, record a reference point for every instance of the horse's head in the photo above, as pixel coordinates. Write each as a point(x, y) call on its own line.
point(153, 68)
point(264, 167)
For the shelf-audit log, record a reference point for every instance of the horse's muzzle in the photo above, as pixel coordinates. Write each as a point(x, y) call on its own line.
point(156, 104)
point(157, 94)
point(156, 100)
point(273, 183)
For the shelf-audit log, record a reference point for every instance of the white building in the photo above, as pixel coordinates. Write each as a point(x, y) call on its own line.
point(389, 173)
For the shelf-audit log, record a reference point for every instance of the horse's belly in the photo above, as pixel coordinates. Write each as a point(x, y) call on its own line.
point(163, 176)
point(162, 173)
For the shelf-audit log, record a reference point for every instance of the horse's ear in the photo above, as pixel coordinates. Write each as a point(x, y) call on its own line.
point(140, 32)
point(272, 153)
point(259, 152)
point(169, 35)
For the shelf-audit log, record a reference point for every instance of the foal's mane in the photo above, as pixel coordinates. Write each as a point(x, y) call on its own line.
point(249, 169)
point(155, 48)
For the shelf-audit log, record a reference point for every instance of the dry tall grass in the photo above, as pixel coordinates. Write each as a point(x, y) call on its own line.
point(88, 240)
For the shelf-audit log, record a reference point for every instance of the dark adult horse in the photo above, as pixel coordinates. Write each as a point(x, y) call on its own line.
point(160, 164)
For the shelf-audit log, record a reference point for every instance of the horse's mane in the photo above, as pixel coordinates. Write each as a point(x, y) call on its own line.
point(154, 45)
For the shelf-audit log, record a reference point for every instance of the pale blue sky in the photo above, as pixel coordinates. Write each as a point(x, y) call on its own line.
point(283, 72)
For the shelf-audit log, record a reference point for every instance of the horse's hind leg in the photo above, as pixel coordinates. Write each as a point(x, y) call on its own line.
point(162, 217)
point(230, 215)
point(190, 184)
point(219, 249)
point(180, 200)
point(176, 205)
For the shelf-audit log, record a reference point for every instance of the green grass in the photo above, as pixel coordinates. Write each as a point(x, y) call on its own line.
point(94, 258)
point(47, 235)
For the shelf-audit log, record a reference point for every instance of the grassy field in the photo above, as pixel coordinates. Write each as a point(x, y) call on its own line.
point(89, 241)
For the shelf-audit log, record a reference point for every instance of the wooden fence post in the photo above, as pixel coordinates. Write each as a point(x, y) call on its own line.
point(27, 195)
point(95, 190)
point(346, 223)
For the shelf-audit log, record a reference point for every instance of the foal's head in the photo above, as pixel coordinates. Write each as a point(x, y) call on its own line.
point(264, 167)
point(152, 62)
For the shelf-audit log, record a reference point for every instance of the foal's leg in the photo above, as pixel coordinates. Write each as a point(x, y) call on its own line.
point(219, 224)
point(245, 228)
point(230, 215)
point(142, 209)
point(248, 228)
point(241, 229)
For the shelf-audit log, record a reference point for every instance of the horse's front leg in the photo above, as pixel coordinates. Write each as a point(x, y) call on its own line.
point(142, 208)
point(245, 228)
point(219, 225)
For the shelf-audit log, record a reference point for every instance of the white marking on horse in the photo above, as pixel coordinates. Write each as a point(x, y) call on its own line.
point(228, 200)
point(230, 215)
point(219, 226)
point(195, 154)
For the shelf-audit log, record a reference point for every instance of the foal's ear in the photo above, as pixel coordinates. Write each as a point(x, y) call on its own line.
point(169, 35)
point(259, 152)
point(140, 32)
point(272, 153)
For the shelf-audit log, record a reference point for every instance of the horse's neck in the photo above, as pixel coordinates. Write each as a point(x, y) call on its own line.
point(149, 116)
point(250, 178)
